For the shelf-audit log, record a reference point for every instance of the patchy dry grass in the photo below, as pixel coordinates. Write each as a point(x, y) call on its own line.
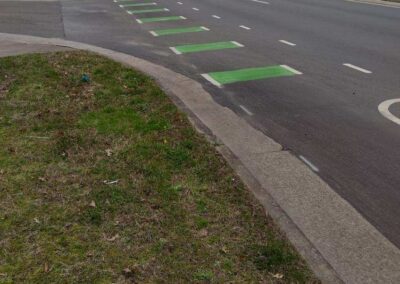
point(106, 181)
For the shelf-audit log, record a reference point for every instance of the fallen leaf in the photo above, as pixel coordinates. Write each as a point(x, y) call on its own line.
point(36, 220)
point(224, 250)
point(128, 273)
point(46, 267)
point(92, 204)
point(203, 233)
point(277, 275)
point(42, 179)
point(109, 152)
point(111, 182)
point(112, 238)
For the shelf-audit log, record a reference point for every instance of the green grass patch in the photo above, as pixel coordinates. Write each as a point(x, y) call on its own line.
point(103, 180)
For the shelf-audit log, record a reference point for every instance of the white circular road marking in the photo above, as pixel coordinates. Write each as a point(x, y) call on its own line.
point(384, 110)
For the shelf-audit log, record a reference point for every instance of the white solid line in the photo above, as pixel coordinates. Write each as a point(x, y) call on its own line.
point(196, 9)
point(204, 28)
point(153, 33)
point(211, 80)
point(388, 5)
point(287, 42)
point(291, 69)
point(259, 1)
point(384, 110)
point(246, 110)
point(237, 44)
point(175, 50)
point(244, 27)
point(217, 17)
point(357, 68)
point(311, 165)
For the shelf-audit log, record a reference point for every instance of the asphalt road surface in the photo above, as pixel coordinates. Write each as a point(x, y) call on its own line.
point(312, 74)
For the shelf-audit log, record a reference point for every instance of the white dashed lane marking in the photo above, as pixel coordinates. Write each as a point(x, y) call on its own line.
point(196, 9)
point(287, 42)
point(216, 17)
point(261, 2)
point(357, 68)
point(244, 27)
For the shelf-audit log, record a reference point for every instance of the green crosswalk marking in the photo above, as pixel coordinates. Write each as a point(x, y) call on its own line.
point(160, 19)
point(164, 32)
point(148, 11)
point(139, 4)
point(205, 47)
point(227, 77)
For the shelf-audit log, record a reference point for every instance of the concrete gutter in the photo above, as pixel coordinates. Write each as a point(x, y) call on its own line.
point(336, 241)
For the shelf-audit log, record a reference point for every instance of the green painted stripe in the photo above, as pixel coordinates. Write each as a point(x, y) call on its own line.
point(205, 47)
point(160, 19)
point(148, 11)
point(139, 4)
point(163, 32)
point(227, 77)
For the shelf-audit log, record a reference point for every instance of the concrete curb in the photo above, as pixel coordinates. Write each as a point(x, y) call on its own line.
point(336, 241)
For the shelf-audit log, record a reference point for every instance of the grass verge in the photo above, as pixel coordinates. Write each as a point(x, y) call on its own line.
point(103, 180)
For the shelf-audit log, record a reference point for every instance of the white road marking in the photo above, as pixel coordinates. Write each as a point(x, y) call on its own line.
point(204, 28)
point(175, 50)
point(153, 33)
point(237, 44)
point(129, 12)
point(291, 69)
point(139, 21)
point(384, 110)
point(244, 27)
point(357, 68)
point(147, 4)
point(308, 163)
point(196, 9)
point(287, 42)
point(211, 80)
point(215, 16)
point(183, 18)
point(259, 1)
point(388, 5)
point(179, 3)
point(246, 110)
